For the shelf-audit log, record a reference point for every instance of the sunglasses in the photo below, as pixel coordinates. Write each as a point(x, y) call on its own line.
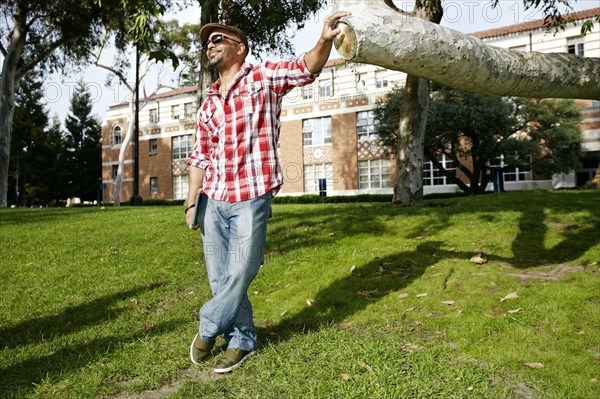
point(216, 39)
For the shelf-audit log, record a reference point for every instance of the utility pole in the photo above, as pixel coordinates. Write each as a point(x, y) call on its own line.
point(136, 199)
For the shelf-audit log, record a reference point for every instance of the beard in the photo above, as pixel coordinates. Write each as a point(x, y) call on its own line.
point(216, 59)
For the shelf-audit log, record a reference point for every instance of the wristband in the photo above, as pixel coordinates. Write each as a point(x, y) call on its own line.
point(189, 207)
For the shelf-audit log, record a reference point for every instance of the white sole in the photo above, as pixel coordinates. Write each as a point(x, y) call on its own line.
point(191, 349)
point(228, 369)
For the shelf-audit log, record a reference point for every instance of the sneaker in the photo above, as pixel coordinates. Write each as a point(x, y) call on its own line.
point(231, 359)
point(200, 350)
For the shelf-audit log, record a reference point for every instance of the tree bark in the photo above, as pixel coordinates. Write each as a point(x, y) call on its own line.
point(376, 34)
point(8, 81)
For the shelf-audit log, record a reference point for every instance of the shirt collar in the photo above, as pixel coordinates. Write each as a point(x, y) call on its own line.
point(244, 70)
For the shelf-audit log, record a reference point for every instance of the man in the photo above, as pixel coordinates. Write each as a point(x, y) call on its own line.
point(235, 164)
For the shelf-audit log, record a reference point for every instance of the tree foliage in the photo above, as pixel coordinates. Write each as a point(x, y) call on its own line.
point(474, 131)
point(36, 164)
point(83, 147)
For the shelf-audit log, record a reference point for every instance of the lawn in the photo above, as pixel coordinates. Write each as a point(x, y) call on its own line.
point(354, 301)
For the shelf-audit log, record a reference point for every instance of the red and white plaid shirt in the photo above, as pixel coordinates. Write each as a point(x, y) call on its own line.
point(237, 135)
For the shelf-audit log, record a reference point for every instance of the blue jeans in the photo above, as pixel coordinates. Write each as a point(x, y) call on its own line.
point(233, 237)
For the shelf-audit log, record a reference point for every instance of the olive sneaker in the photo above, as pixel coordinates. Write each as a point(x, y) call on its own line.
point(232, 358)
point(200, 350)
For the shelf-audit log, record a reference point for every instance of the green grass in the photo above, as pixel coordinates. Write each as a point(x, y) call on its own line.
point(103, 303)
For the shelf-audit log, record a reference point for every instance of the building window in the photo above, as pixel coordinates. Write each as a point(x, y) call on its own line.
point(154, 115)
point(307, 92)
point(175, 111)
point(325, 88)
point(115, 170)
point(575, 46)
point(153, 185)
point(381, 80)
point(189, 110)
point(317, 131)
point(375, 173)
point(182, 146)
point(153, 147)
point(312, 174)
point(180, 186)
point(366, 125)
point(432, 176)
point(515, 174)
point(116, 135)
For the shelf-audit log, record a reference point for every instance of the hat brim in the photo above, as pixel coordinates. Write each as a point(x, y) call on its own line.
point(207, 29)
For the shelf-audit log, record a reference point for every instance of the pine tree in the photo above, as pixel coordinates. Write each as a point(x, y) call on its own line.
point(83, 167)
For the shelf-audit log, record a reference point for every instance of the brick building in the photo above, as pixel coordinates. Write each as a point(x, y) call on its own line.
point(328, 131)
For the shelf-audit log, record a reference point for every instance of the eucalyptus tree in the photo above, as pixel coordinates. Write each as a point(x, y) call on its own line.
point(381, 34)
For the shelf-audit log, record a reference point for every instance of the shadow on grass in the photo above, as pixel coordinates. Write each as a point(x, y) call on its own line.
point(20, 377)
point(349, 295)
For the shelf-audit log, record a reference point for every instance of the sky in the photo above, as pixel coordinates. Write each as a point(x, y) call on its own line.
point(462, 15)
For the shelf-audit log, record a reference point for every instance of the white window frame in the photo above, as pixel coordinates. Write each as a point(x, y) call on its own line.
point(188, 111)
point(153, 147)
point(116, 139)
point(374, 173)
point(515, 174)
point(153, 115)
point(153, 185)
point(180, 186)
point(381, 80)
point(182, 146)
point(317, 131)
point(433, 176)
point(575, 45)
point(175, 111)
point(366, 126)
point(314, 172)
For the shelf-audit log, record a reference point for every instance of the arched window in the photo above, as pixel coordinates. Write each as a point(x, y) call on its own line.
point(116, 135)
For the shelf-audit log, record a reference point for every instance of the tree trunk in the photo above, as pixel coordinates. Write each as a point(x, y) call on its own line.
point(377, 34)
point(209, 12)
point(8, 81)
point(408, 187)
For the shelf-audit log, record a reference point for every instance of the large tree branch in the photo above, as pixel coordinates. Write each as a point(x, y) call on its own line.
point(376, 34)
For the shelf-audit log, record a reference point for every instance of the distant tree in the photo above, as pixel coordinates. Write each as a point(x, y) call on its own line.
point(29, 121)
point(476, 131)
point(82, 146)
point(52, 36)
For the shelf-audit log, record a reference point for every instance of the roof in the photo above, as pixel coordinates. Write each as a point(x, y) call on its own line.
point(538, 23)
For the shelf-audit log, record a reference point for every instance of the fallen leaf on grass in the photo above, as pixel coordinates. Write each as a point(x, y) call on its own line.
point(345, 376)
point(512, 295)
point(513, 311)
point(310, 302)
point(344, 326)
point(478, 260)
point(449, 303)
point(283, 313)
point(352, 268)
point(366, 367)
point(421, 295)
point(411, 309)
point(367, 294)
point(534, 365)
point(402, 295)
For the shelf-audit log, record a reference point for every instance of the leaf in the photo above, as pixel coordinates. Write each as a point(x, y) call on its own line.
point(283, 313)
point(534, 365)
point(421, 295)
point(352, 268)
point(344, 326)
point(345, 376)
point(449, 303)
point(310, 302)
point(478, 260)
point(402, 295)
point(513, 311)
point(512, 295)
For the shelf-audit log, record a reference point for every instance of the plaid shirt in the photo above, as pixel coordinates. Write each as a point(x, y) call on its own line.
point(236, 136)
